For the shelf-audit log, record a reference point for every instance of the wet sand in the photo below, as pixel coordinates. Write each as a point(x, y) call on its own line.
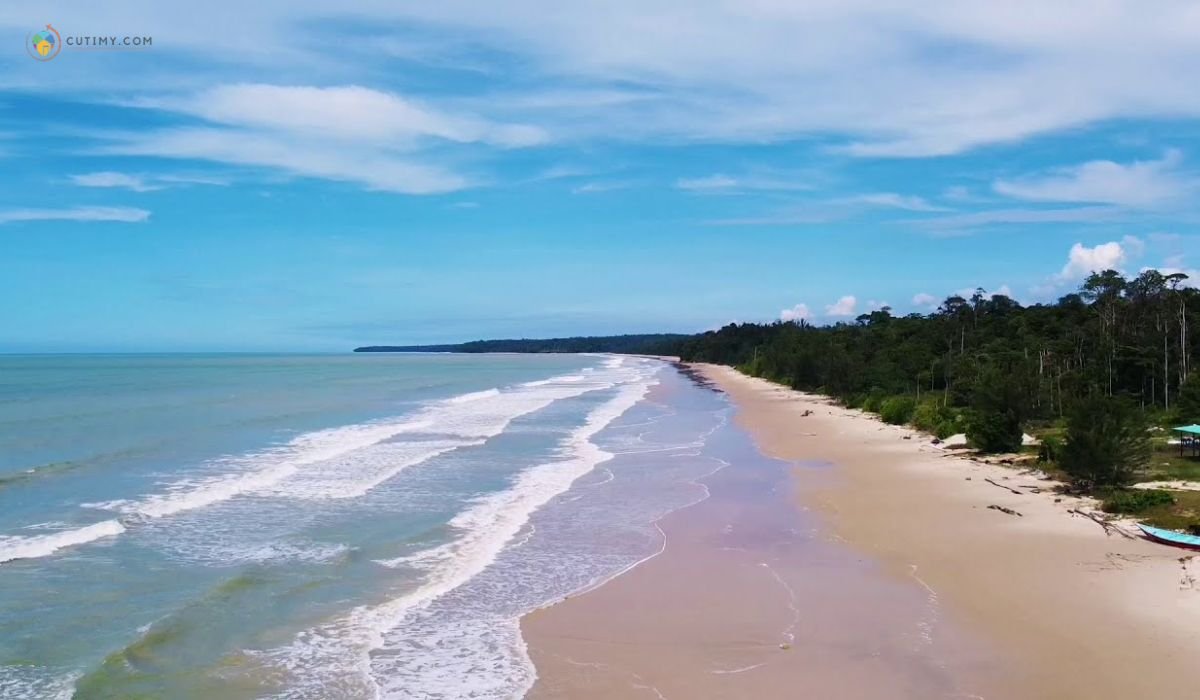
point(752, 597)
point(884, 575)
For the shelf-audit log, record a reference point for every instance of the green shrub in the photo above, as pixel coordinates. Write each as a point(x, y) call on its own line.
point(1050, 449)
point(950, 427)
point(873, 401)
point(897, 410)
point(1136, 500)
point(994, 431)
point(1106, 442)
point(934, 417)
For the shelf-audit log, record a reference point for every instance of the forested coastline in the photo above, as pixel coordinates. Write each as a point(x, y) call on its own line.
point(1100, 375)
point(1114, 337)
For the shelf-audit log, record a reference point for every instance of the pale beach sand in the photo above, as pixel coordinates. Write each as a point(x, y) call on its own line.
point(885, 575)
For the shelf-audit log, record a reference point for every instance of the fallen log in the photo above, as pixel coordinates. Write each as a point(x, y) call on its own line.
point(1006, 488)
point(1109, 528)
point(1002, 509)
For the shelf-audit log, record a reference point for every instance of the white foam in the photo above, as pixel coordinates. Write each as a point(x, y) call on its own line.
point(343, 462)
point(564, 379)
point(473, 396)
point(338, 657)
point(25, 682)
point(265, 469)
point(44, 545)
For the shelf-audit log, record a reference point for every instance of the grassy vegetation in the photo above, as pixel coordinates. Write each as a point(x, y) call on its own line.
point(1182, 514)
point(1135, 501)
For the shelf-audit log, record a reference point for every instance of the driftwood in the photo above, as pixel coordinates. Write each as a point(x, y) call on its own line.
point(1109, 528)
point(1006, 488)
point(1002, 509)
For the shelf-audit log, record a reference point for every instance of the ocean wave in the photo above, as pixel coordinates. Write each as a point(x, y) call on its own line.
point(12, 548)
point(335, 463)
point(355, 656)
point(28, 682)
point(473, 396)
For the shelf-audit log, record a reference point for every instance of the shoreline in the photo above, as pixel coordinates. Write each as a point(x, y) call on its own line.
point(1043, 604)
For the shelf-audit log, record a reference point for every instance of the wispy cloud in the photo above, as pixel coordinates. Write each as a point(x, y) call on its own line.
point(109, 178)
point(142, 183)
point(968, 222)
point(350, 113)
point(374, 169)
point(125, 214)
point(1143, 184)
point(894, 201)
point(973, 74)
point(377, 139)
point(597, 187)
point(720, 183)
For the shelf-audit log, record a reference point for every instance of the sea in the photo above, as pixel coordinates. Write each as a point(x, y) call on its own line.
point(323, 526)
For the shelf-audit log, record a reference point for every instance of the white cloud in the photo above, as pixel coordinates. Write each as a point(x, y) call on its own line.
point(705, 184)
point(381, 140)
point(597, 187)
point(348, 112)
point(1082, 260)
point(720, 183)
point(957, 193)
point(889, 78)
point(108, 178)
point(126, 214)
point(1138, 184)
point(376, 169)
point(799, 312)
point(895, 201)
point(142, 183)
point(965, 223)
point(922, 299)
point(842, 307)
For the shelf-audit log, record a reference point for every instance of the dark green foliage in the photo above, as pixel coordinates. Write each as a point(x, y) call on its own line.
point(1187, 407)
point(1136, 500)
point(994, 421)
point(873, 401)
point(897, 410)
point(1050, 449)
point(1117, 337)
point(1106, 442)
point(933, 416)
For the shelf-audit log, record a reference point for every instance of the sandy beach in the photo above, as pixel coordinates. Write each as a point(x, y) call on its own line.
point(853, 559)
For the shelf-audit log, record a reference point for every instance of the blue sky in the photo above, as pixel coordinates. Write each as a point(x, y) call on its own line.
point(316, 177)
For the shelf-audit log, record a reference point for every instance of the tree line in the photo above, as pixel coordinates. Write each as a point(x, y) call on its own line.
point(1117, 349)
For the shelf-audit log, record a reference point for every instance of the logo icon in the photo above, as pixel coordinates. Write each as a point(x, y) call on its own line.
point(44, 45)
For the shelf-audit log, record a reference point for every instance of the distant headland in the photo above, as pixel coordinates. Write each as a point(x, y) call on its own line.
point(645, 344)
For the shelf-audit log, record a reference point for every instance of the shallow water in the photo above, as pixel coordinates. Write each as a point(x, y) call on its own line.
point(321, 526)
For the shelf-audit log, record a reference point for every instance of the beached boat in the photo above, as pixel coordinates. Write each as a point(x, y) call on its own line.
point(1171, 537)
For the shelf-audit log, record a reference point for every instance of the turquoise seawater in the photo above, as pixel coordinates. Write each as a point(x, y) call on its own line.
point(287, 526)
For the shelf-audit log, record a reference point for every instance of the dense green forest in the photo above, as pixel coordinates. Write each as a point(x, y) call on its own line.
point(651, 344)
point(1095, 374)
point(1115, 337)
